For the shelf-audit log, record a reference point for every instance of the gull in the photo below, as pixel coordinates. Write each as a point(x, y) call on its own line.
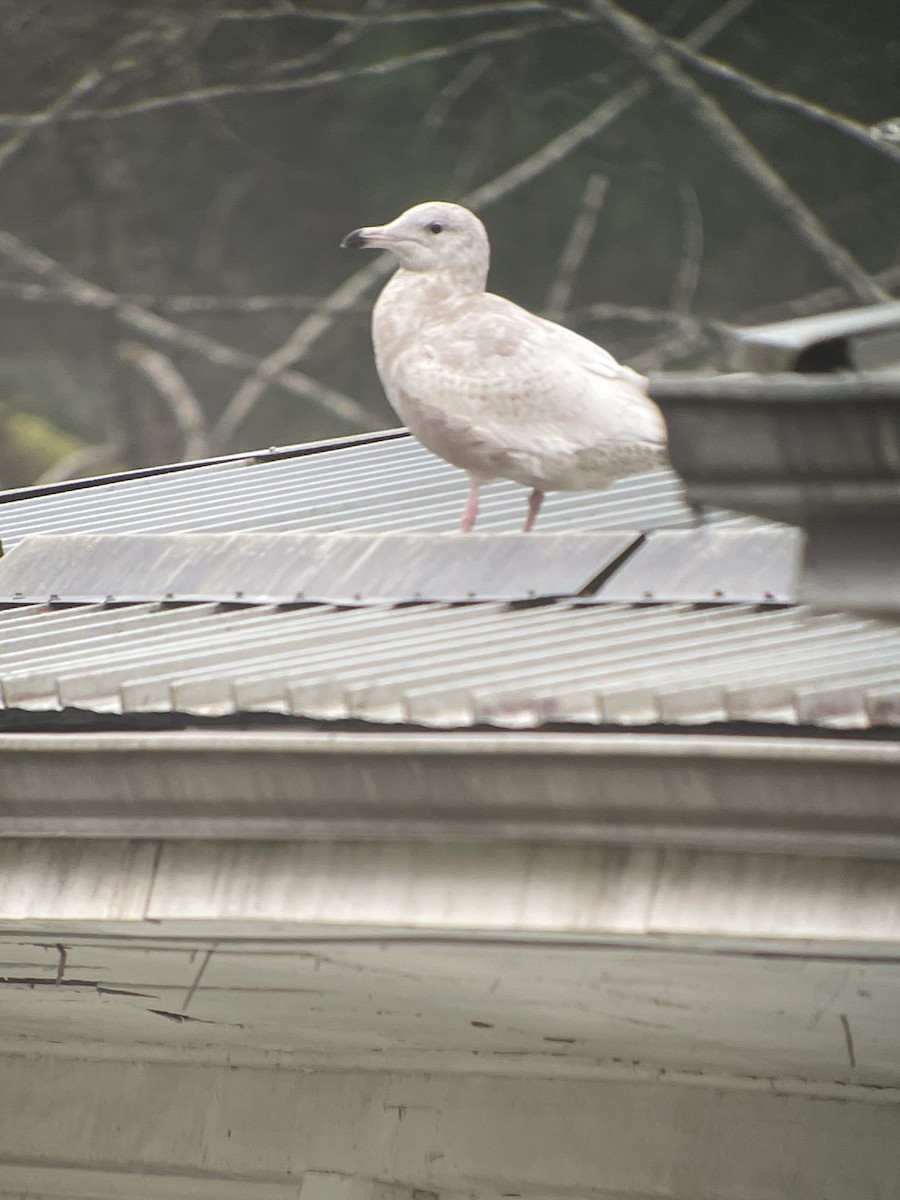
point(488, 386)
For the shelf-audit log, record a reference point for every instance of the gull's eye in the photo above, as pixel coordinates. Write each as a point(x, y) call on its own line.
point(434, 227)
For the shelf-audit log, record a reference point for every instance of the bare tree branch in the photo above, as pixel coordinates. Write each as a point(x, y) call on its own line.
point(85, 458)
point(349, 293)
point(338, 41)
point(274, 365)
point(558, 148)
point(596, 121)
point(688, 274)
point(647, 46)
point(676, 346)
point(42, 293)
point(787, 100)
point(686, 332)
point(350, 33)
point(641, 315)
point(184, 406)
point(85, 294)
point(121, 60)
point(801, 306)
point(209, 252)
point(410, 16)
point(576, 247)
point(82, 87)
point(471, 71)
point(222, 91)
point(816, 302)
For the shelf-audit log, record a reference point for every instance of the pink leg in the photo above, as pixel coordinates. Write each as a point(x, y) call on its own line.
point(470, 512)
point(535, 500)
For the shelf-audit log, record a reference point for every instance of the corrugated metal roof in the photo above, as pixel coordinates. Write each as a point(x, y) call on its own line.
point(457, 666)
point(386, 486)
point(289, 566)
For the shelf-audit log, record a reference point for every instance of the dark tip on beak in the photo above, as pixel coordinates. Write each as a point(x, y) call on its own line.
point(354, 240)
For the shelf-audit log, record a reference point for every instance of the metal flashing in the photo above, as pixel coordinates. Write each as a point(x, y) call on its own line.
point(751, 794)
point(272, 567)
point(864, 338)
point(710, 563)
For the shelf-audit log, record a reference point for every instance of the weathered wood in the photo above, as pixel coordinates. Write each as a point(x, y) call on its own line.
point(178, 1128)
point(559, 961)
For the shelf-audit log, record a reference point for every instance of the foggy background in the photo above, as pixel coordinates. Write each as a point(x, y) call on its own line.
point(175, 179)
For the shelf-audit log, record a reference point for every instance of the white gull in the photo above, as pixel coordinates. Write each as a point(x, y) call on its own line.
point(490, 387)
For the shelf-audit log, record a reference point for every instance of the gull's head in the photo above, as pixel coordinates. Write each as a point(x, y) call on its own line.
point(435, 236)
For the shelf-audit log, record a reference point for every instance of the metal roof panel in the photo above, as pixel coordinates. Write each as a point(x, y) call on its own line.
point(442, 665)
point(711, 563)
point(289, 566)
point(385, 486)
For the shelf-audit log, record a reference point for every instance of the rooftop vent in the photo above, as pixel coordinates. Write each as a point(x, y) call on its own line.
point(809, 433)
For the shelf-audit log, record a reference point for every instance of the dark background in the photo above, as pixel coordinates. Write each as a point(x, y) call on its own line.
point(200, 161)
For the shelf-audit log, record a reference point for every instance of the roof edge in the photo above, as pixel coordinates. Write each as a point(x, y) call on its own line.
point(739, 794)
point(272, 454)
point(462, 743)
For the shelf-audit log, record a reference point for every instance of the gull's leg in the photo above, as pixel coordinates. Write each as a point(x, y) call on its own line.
point(535, 500)
point(470, 512)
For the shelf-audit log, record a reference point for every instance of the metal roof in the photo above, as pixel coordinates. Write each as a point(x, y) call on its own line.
point(391, 485)
point(308, 585)
point(440, 665)
point(289, 566)
point(710, 563)
point(864, 338)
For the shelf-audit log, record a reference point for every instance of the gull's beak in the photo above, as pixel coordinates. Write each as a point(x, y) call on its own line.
point(354, 240)
point(372, 237)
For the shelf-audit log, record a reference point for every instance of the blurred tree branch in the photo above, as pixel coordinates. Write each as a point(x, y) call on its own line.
point(171, 385)
point(274, 365)
point(639, 314)
point(647, 46)
point(82, 87)
point(410, 16)
point(675, 346)
point(596, 121)
point(122, 60)
point(84, 459)
point(576, 247)
point(269, 87)
point(457, 87)
point(687, 275)
point(769, 95)
point(816, 302)
point(85, 294)
point(42, 293)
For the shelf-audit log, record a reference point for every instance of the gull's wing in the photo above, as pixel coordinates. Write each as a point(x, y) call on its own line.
point(521, 382)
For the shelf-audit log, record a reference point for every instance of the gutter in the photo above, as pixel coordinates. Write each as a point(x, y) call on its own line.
point(749, 794)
